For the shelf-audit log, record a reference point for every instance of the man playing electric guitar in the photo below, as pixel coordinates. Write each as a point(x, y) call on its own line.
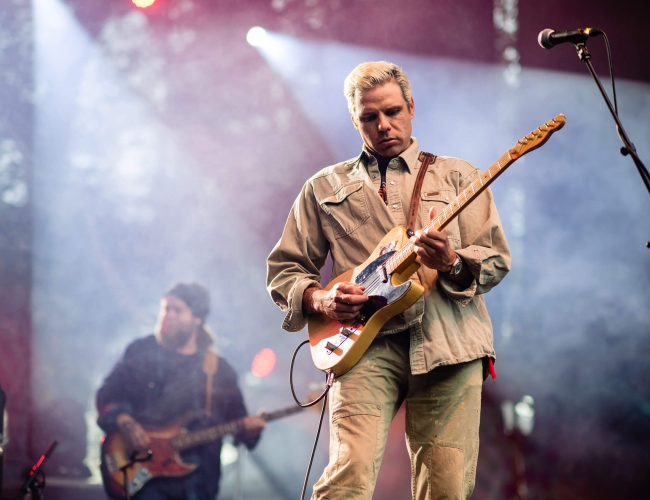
point(163, 379)
point(436, 353)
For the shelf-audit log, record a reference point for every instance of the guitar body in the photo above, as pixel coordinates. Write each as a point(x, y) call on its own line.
point(166, 446)
point(165, 462)
point(337, 345)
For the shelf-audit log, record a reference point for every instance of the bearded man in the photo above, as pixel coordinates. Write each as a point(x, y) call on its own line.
point(172, 376)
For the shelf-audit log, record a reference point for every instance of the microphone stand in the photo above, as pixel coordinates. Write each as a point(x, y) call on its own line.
point(628, 148)
point(3, 399)
point(36, 480)
point(133, 460)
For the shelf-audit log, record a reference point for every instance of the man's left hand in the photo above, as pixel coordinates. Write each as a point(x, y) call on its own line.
point(432, 247)
point(254, 425)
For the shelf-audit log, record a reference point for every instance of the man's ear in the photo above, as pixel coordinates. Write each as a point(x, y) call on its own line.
point(354, 122)
point(412, 107)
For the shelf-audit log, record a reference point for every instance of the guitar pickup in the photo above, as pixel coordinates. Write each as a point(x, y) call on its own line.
point(330, 347)
point(345, 331)
point(344, 334)
point(338, 341)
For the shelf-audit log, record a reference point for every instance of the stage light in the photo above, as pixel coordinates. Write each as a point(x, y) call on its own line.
point(143, 4)
point(263, 363)
point(229, 454)
point(256, 36)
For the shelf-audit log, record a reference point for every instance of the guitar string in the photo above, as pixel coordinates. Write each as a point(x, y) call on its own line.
point(401, 255)
point(504, 161)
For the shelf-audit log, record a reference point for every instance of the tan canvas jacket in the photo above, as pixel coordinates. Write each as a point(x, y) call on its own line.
point(339, 211)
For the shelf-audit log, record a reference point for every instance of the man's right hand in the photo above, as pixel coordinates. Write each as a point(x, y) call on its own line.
point(135, 435)
point(343, 301)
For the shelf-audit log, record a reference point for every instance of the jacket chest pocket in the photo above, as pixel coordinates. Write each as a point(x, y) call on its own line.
point(346, 209)
point(440, 199)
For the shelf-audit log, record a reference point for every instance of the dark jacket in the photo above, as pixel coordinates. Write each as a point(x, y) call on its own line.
point(158, 388)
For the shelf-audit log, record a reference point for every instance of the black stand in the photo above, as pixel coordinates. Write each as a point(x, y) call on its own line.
point(36, 480)
point(132, 461)
point(519, 463)
point(3, 399)
point(628, 148)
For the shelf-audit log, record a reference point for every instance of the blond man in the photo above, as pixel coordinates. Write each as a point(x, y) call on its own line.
point(433, 356)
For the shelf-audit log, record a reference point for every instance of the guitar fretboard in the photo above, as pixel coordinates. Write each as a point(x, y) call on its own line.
point(197, 438)
point(407, 252)
point(526, 144)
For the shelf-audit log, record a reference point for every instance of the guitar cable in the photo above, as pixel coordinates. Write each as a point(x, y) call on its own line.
point(329, 380)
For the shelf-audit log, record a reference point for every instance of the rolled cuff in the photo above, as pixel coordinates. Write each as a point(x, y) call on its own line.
point(250, 441)
point(295, 319)
point(462, 296)
point(107, 420)
point(483, 264)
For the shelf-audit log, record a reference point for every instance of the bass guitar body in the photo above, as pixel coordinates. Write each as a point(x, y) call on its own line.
point(165, 461)
point(336, 346)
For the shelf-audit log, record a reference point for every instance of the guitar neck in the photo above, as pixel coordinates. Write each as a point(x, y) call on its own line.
point(204, 436)
point(407, 253)
point(471, 192)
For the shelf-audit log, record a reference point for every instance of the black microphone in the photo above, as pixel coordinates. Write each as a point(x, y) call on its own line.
point(549, 38)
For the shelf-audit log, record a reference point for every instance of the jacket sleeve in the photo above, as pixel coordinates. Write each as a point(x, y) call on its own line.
point(484, 248)
point(111, 397)
point(295, 262)
point(226, 391)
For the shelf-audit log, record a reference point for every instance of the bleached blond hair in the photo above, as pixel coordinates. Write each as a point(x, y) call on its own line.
point(369, 75)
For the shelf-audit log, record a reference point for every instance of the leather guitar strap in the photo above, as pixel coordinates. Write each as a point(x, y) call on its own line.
point(426, 159)
point(210, 363)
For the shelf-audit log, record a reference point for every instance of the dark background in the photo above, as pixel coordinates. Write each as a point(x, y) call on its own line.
point(141, 147)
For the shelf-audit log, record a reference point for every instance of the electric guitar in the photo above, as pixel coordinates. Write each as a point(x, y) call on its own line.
point(166, 444)
point(336, 346)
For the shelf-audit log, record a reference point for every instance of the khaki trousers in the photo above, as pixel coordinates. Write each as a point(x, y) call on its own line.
point(442, 423)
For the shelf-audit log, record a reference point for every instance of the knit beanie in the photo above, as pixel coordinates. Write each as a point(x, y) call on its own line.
point(195, 296)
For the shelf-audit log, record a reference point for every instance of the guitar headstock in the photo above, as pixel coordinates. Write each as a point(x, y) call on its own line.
point(538, 137)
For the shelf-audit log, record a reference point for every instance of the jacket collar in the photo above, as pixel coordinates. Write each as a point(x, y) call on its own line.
point(409, 156)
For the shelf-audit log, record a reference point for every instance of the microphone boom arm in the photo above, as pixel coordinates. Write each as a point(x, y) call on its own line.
point(628, 147)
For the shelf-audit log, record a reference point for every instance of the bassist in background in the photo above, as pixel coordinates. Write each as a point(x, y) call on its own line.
point(436, 354)
point(171, 376)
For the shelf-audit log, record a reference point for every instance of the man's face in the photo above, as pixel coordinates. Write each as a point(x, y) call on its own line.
point(383, 118)
point(176, 323)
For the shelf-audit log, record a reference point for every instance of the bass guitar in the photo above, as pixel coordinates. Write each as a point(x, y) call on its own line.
point(165, 461)
point(336, 346)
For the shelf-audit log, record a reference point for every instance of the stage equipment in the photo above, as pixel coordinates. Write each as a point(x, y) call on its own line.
point(143, 4)
point(129, 465)
point(322, 398)
point(518, 423)
point(256, 36)
point(3, 399)
point(35, 482)
point(549, 38)
point(580, 44)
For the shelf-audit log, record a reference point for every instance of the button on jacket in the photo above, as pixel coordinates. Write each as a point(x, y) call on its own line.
point(339, 211)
